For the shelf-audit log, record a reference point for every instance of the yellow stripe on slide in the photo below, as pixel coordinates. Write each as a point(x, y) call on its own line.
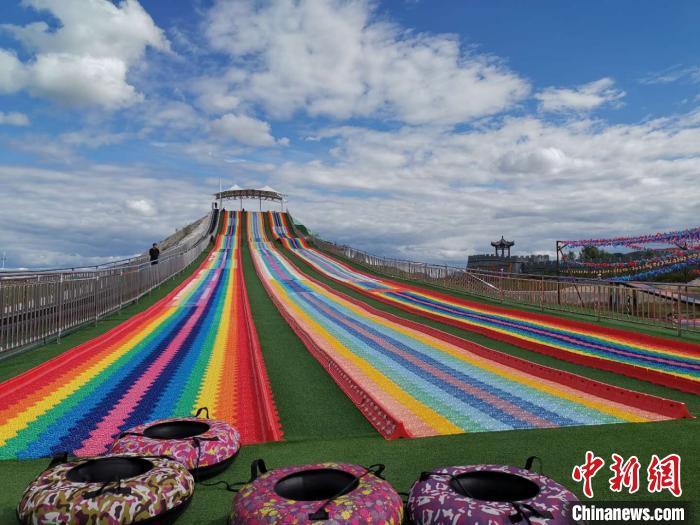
point(430, 417)
point(22, 419)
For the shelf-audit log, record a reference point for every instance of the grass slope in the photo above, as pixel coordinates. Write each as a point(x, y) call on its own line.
point(309, 402)
point(568, 445)
point(313, 441)
point(560, 449)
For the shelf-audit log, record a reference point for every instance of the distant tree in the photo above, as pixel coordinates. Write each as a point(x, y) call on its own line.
point(591, 252)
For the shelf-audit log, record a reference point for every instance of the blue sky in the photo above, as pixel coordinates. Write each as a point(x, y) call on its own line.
point(408, 128)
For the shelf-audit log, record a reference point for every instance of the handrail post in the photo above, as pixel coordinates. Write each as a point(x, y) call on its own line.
point(678, 317)
point(542, 293)
point(687, 305)
point(121, 289)
point(97, 282)
point(60, 309)
point(558, 292)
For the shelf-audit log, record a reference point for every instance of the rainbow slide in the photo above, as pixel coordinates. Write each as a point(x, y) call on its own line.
point(411, 381)
point(195, 347)
point(281, 231)
point(657, 360)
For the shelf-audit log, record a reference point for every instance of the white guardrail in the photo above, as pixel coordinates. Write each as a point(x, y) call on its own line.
point(40, 306)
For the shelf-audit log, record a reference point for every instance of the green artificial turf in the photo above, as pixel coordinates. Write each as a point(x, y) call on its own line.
point(559, 449)
point(301, 228)
point(680, 436)
point(320, 424)
point(309, 403)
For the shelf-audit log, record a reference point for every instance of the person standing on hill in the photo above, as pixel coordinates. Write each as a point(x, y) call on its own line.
point(154, 253)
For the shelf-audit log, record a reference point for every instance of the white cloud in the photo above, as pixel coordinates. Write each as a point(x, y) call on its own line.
point(142, 206)
point(431, 194)
point(14, 119)
point(545, 160)
point(64, 148)
point(85, 61)
point(92, 138)
point(91, 214)
point(12, 73)
point(673, 74)
point(77, 80)
point(582, 98)
point(420, 190)
point(44, 147)
point(417, 192)
point(336, 58)
point(211, 153)
point(96, 26)
point(246, 130)
point(171, 115)
point(214, 94)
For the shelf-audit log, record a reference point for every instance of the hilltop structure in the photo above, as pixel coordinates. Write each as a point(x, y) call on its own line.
point(266, 193)
point(503, 261)
point(502, 245)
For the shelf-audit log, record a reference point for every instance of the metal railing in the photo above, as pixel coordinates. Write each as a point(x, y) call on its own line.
point(670, 305)
point(42, 306)
point(183, 245)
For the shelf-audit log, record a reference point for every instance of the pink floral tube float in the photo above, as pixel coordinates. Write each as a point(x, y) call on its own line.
point(488, 495)
point(205, 446)
point(109, 490)
point(334, 493)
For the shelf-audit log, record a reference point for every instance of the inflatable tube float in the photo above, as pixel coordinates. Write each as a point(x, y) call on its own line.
point(109, 490)
point(335, 493)
point(488, 494)
point(205, 446)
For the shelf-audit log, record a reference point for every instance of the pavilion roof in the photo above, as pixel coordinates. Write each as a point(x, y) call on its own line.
point(502, 243)
point(265, 193)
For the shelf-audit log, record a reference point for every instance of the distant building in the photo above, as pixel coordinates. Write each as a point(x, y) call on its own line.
point(502, 260)
point(502, 245)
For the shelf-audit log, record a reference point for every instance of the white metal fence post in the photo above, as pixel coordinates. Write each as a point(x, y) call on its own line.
point(97, 283)
point(121, 289)
point(60, 309)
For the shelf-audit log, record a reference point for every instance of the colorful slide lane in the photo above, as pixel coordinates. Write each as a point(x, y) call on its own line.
point(411, 381)
point(670, 363)
point(281, 230)
point(195, 347)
